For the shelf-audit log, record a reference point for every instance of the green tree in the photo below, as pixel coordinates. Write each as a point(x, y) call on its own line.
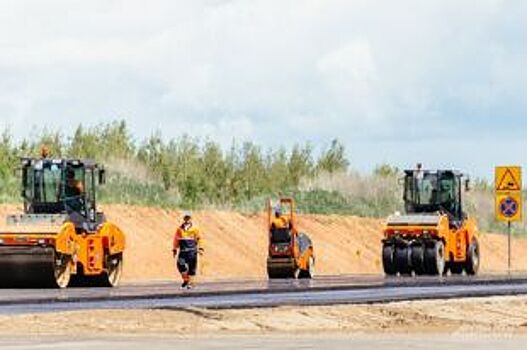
point(234, 176)
point(333, 159)
point(277, 165)
point(300, 164)
point(214, 172)
point(253, 171)
point(116, 140)
point(85, 143)
point(386, 171)
point(8, 157)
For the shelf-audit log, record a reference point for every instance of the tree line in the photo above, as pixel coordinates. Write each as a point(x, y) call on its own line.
point(196, 171)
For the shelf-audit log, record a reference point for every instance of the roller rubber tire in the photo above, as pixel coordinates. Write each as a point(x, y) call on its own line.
point(435, 259)
point(402, 260)
point(473, 258)
point(418, 259)
point(387, 260)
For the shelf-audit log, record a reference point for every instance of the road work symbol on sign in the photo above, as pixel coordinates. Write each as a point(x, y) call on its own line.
point(509, 207)
point(508, 179)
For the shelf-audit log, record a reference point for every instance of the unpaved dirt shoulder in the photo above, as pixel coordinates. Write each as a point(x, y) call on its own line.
point(470, 317)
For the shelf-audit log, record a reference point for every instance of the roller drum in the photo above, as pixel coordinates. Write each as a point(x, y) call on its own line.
point(280, 267)
point(22, 266)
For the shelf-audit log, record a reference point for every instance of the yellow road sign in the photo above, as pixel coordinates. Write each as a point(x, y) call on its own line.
point(508, 178)
point(509, 206)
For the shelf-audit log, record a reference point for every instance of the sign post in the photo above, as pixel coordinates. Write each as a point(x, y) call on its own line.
point(509, 202)
point(509, 246)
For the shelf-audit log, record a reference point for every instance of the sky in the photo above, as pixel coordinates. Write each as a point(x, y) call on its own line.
point(440, 82)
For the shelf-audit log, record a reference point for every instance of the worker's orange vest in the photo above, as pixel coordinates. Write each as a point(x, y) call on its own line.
point(187, 240)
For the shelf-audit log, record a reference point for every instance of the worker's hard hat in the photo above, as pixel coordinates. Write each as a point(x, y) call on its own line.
point(278, 210)
point(187, 214)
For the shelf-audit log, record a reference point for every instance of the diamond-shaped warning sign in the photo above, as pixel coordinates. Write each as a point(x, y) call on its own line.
point(508, 178)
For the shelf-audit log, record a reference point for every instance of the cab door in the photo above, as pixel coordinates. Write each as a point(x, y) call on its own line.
point(89, 179)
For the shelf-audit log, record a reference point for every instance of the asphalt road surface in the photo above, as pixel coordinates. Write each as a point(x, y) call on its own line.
point(246, 294)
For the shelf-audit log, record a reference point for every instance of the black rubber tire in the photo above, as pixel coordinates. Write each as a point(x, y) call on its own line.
point(473, 258)
point(435, 259)
point(114, 265)
point(388, 263)
point(110, 278)
point(402, 260)
point(418, 259)
point(61, 273)
point(456, 268)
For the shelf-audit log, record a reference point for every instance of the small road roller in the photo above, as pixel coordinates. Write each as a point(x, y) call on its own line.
point(290, 253)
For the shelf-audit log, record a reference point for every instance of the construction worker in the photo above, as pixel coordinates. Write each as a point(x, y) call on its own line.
point(188, 243)
point(280, 221)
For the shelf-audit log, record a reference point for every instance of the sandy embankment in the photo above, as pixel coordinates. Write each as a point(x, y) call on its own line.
point(236, 244)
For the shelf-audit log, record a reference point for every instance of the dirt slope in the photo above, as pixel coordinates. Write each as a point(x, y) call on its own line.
point(485, 318)
point(236, 243)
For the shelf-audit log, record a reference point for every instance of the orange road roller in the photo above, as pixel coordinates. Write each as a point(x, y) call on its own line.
point(290, 253)
point(434, 235)
point(60, 237)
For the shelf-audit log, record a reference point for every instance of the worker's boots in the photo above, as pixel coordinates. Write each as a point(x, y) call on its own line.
point(187, 282)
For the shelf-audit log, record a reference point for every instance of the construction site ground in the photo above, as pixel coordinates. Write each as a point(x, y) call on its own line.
point(236, 248)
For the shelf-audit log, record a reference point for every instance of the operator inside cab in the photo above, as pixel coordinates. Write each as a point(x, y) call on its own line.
point(73, 191)
point(280, 221)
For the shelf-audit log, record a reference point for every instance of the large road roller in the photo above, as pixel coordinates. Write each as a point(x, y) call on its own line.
point(290, 253)
point(60, 237)
point(434, 235)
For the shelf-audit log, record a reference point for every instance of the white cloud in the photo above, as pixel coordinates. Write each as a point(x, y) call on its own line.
point(351, 77)
point(273, 71)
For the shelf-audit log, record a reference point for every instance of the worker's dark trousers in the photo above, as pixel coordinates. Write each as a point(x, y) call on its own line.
point(187, 262)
